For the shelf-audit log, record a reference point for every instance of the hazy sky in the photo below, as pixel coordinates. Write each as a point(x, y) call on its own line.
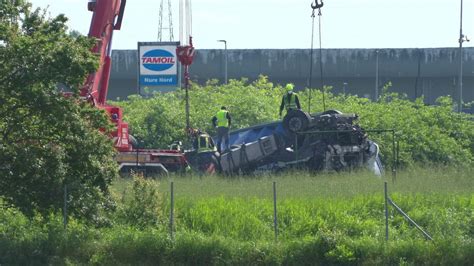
point(287, 23)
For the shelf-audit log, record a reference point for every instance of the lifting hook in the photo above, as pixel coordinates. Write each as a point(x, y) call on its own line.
point(317, 4)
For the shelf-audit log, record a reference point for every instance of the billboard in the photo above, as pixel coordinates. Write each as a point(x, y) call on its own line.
point(158, 65)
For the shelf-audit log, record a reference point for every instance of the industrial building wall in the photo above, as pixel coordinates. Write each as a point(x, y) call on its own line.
point(429, 72)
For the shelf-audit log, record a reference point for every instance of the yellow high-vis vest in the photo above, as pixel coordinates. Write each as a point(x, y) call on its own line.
point(222, 118)
point(290, 101)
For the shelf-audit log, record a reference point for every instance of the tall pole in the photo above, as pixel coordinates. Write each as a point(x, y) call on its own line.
point(225, 64)
point(376, 95)
point(186, 87)
point(418, 73)
point(225, 60)
point(461, 40)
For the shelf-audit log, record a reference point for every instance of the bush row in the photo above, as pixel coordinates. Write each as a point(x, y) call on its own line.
point(426, 134)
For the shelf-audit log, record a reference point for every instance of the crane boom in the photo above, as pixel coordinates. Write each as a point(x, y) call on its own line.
point(107, 17)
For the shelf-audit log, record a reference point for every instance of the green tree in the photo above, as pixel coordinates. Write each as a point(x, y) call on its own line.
point(426, 134)
point(48, 141)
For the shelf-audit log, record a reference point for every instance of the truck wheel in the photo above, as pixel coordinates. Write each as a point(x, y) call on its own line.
point(296, 121)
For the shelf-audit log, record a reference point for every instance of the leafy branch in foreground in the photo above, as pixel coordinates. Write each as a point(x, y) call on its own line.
point(48, 141)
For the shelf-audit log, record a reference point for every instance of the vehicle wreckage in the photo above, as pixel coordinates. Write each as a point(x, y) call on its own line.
point(330, 140)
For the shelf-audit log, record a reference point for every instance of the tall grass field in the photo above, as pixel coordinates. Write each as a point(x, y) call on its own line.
point(322, 219)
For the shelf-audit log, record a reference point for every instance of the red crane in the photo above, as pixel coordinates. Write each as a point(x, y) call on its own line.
point(107, 17)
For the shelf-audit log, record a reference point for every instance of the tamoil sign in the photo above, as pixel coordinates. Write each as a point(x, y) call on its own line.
point(158, 64)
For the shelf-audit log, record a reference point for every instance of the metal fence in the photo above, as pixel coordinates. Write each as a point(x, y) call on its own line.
point(388, 201)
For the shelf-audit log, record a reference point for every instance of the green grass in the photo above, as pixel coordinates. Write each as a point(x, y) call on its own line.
point(323, 219)
point(348, 203)
point(302, 184)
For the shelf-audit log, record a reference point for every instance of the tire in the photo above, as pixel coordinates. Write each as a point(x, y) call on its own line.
point(296, 121)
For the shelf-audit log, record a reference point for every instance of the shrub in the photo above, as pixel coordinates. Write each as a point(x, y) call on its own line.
point(426, 134)
point(142, 207)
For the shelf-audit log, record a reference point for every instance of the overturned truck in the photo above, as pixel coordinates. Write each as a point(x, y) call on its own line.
point(324, 141)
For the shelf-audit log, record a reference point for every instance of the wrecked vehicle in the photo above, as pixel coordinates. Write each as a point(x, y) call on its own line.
point(324, 141)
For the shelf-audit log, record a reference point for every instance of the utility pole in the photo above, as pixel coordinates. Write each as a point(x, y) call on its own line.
point(225, 60)
point(376, 95)
point(462, 39)
point(418, 73)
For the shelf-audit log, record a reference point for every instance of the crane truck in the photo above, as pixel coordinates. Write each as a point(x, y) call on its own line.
point(106, 18)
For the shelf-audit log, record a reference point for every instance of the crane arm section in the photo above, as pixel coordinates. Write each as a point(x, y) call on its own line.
point(107, 17)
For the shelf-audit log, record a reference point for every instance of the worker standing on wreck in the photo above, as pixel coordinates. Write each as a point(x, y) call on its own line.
point(222, 122)
point(290, 100)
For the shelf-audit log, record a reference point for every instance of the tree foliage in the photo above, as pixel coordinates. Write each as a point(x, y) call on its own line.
point(48, 141)
point(160, 120)
point(426, 134)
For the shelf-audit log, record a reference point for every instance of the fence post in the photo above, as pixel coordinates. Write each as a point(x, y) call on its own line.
point(398, 155)
point(65, 207)
point(275, 220)
point(394, 155)
point(386, 210)
point(172, 210)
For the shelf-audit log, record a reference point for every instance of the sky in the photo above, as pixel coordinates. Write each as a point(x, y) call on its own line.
point(281, 24)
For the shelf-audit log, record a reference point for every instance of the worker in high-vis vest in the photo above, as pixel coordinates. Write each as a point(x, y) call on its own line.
point(290, 100)
point(222, 122)
point(203, 143)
